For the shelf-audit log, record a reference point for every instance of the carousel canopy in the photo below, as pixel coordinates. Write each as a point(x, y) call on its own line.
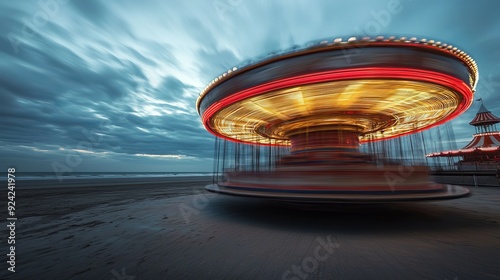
point(484, 140)
point(484, 117)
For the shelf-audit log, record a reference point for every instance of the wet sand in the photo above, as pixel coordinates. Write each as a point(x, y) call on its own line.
point(173, 229)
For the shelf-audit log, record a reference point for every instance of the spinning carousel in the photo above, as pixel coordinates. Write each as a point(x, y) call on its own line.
point(296, 121)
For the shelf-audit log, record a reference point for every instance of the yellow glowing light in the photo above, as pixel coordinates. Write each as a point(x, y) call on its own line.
point(366, 106)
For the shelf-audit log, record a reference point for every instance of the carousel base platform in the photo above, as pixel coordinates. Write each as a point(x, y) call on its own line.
point(438, 192)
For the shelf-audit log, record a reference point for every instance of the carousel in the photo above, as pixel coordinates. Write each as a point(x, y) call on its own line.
point(291, 127)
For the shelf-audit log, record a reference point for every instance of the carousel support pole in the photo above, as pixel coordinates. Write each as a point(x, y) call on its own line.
point(224, 150)
point(214, 167)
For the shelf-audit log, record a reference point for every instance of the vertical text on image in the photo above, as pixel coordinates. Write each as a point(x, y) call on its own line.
point(11, 220)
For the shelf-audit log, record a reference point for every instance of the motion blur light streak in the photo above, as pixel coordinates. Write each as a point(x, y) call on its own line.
point(395, 101)
point(324, 106)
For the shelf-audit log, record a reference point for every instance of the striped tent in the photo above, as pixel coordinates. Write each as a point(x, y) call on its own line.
point(484, 140)
point(484, 117)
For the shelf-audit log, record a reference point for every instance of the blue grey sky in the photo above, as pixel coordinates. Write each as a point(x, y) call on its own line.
point(111, 85)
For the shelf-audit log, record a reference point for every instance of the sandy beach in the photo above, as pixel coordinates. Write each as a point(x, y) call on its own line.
point(171, 228)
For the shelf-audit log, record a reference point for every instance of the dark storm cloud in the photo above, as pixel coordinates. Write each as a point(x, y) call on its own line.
point(51, 94)
point(55, 92)
point(177, 133)
point(172, 89)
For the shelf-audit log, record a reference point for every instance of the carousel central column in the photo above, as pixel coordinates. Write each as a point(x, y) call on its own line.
point(324, 140)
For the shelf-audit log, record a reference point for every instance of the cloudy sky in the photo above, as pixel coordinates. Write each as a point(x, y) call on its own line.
point(111, 85)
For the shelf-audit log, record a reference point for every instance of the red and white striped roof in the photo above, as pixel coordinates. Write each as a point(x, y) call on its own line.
point(484, 117)
point(484, 140)
point(488, 143)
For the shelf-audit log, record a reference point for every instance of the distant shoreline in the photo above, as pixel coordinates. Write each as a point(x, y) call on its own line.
point(104, 181)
